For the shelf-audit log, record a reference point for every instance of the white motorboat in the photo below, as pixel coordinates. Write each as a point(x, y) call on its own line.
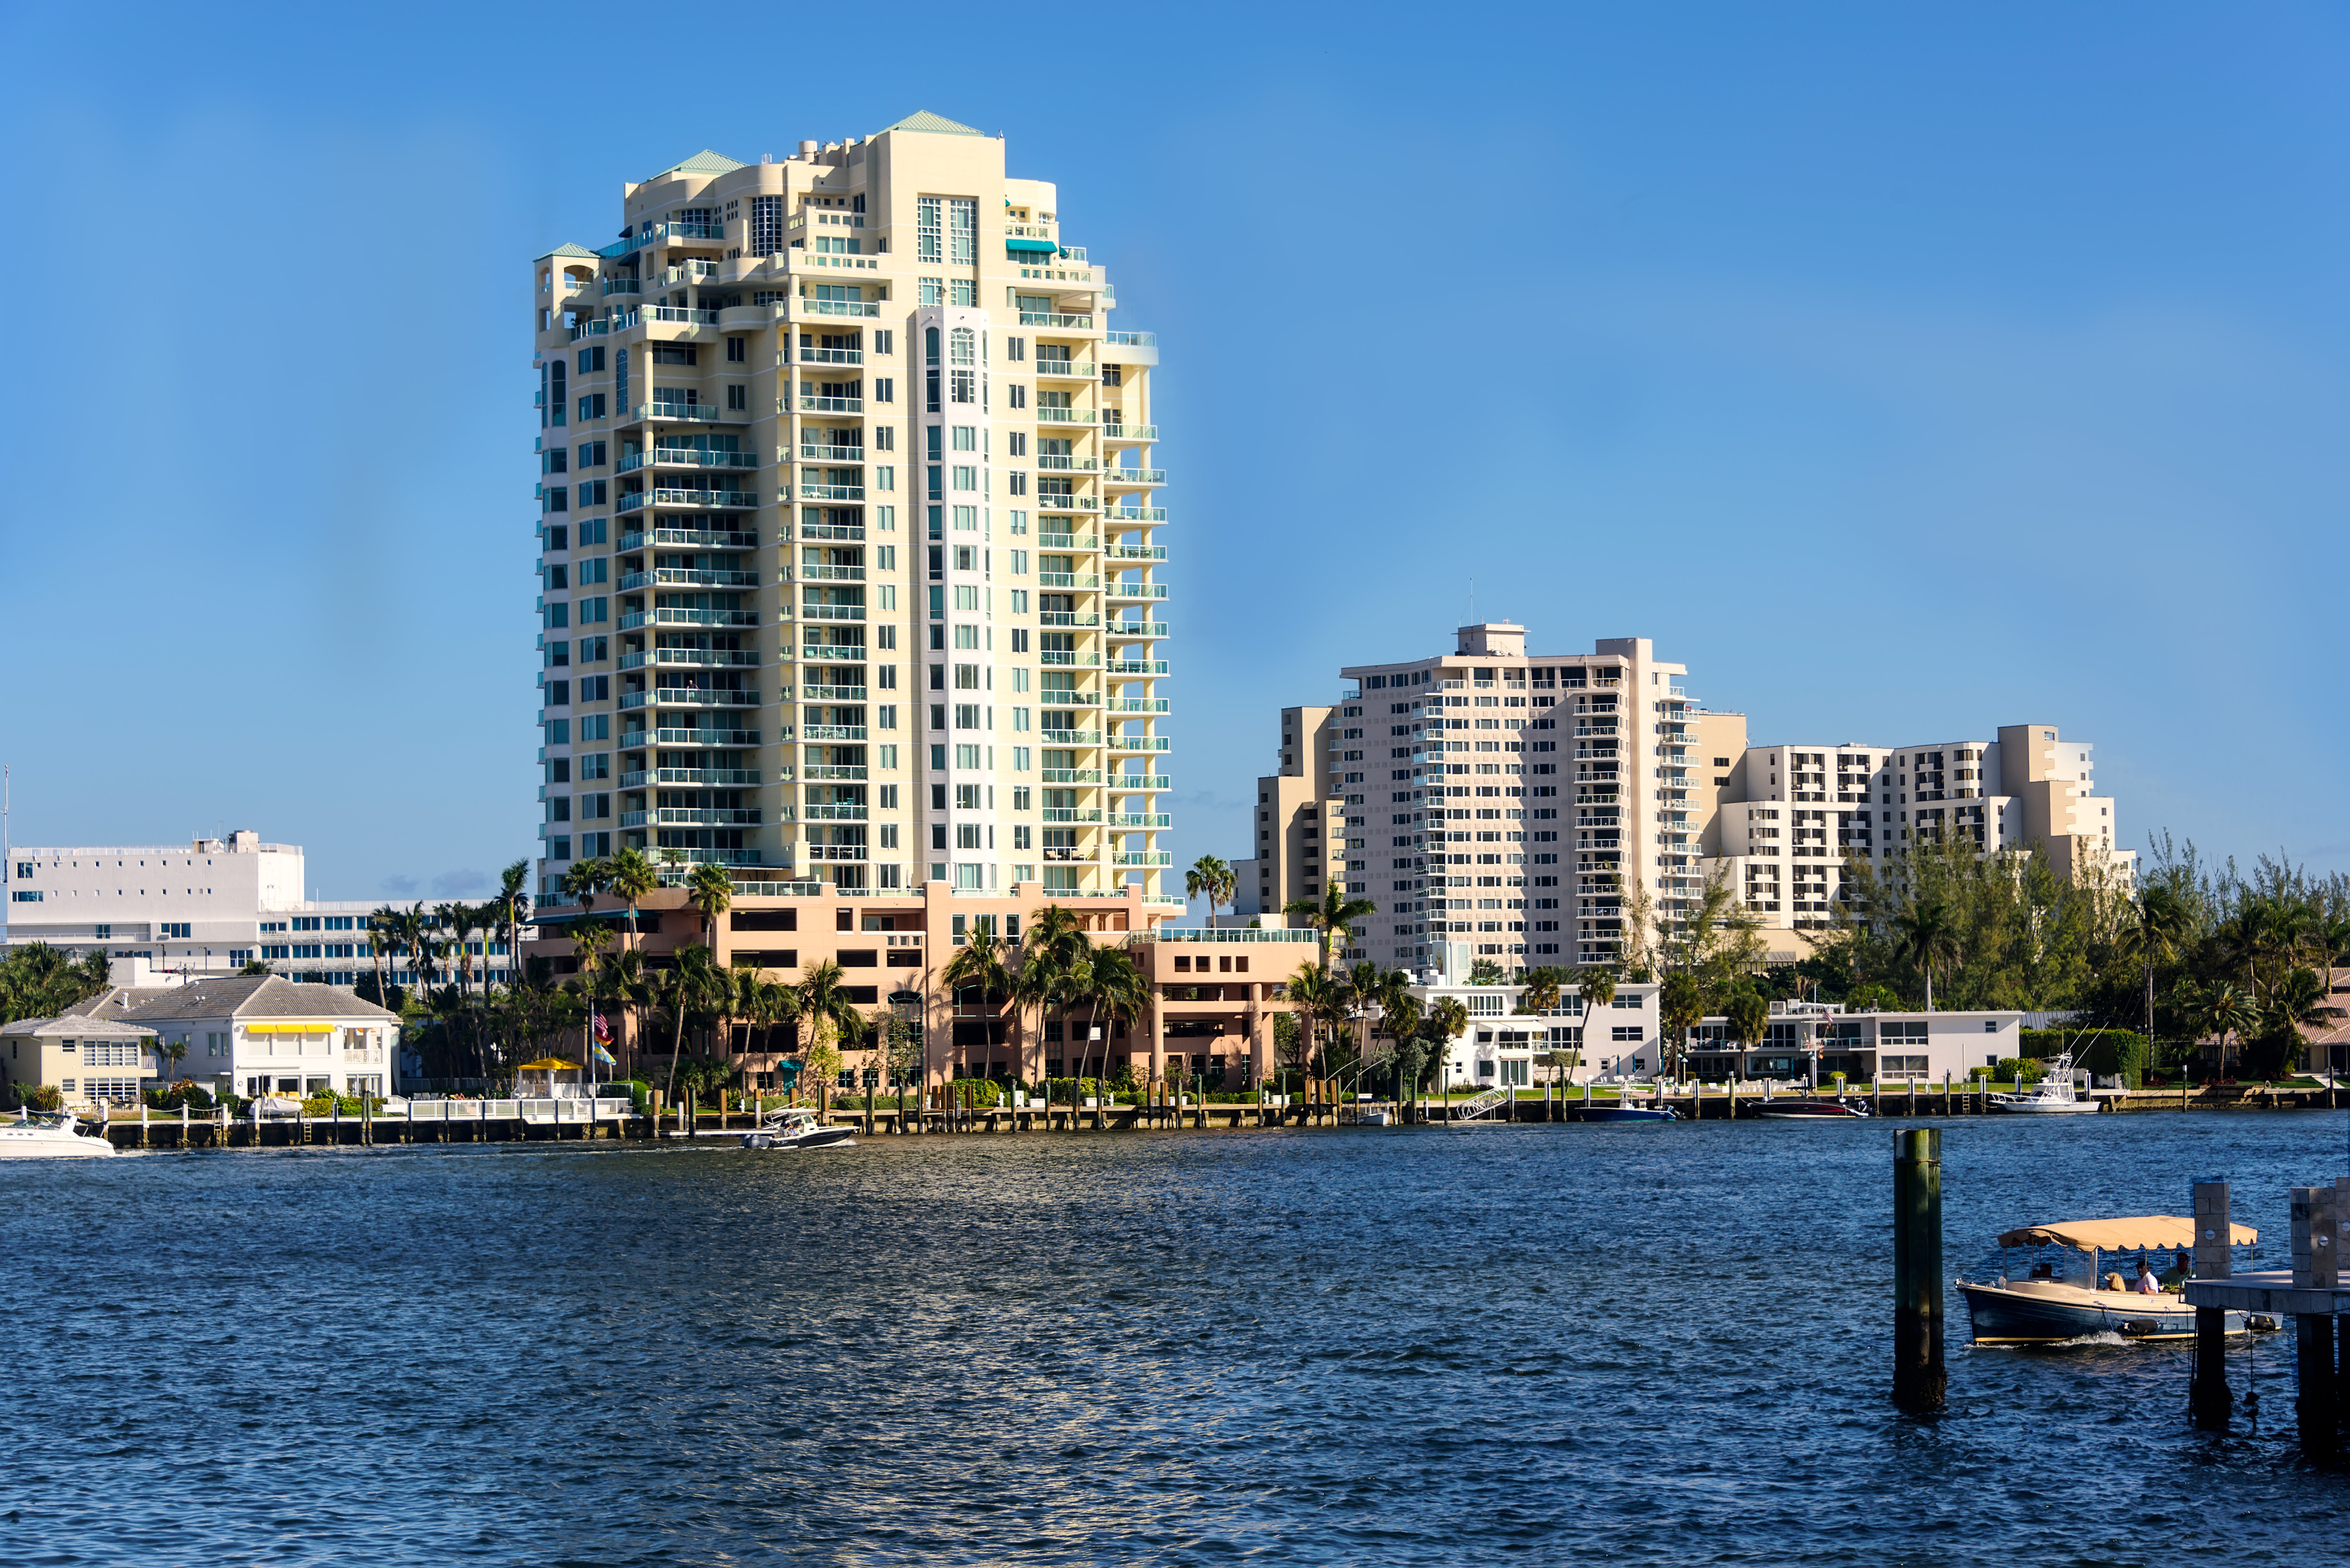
point(50, 1135)
point(796, 1126)
point(2045, 1310)
point(2053, 1095)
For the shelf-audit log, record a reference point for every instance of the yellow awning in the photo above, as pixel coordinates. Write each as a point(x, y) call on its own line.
point(2161, 1232)
point(548, 1064)
point(289, 1028)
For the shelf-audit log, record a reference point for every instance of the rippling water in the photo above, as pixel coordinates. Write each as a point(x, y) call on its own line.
point(1660, 1345)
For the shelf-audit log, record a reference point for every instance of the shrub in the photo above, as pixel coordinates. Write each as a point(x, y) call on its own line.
point(43, 1097)
point(2007, 1068)
point(2108, 1052)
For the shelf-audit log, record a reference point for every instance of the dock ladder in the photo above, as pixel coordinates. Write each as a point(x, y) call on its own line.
point(1472, 1110)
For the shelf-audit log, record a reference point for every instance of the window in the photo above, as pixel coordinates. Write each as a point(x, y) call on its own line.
point(766, 225)
point(738, 397)
point(963, 216)
point(737, 350)
point(930, 244)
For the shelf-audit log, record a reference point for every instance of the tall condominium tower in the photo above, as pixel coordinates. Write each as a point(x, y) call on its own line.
point(847, 533)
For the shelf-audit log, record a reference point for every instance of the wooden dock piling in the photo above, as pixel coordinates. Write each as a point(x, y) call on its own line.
point(2208, 1399)
point(1919, 1381)
point(2318, 1398)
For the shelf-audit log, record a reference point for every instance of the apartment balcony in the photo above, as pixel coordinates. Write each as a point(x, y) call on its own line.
point(832, 731)
point(682, 816)
point(1064, 369)
point(833, 453)
point(1136, 667)
point(1065, 813)
point(1132, 590)
point(722, 778)
point(847, 773)
point(836, 307)
point(833, 813)
point(834, 652)
point(686, 457)
point(832, 356)
point(1064, 855)
point(1134, 705)
point(832, 493)
point(1057, 502)
point(1130, 433)
point(1067, 618)
point(1057, 321)
point(1136, 820)
point(1139, 781)
point(1145, 629)
point(819, 574)
point(1134, 476)
point(834, 851)
point(662, 234)
point(1064, 656)
point(1071, 776)
point(1071, 737)
point(832, 612)
point(850, 531)
point(832, 693)
point(1048, 541)
point(670, 314)
point(1067, 697)
point(1135, 515)
point(1141, 858)
point(686, 413)
point(687, 577)
point(731, 739)
point(690, 697)
point(1132, 339)
point(1085, 580)
point(692, 657)
point(636, 618)
point(697, 538)
point(589, 330)
point(613, 285)
point(809, 405)
point(1062, 462)
point(697, 500)
point(1137, 552)
point(1606, 729)
point(1139, 742)
point(1064, 416)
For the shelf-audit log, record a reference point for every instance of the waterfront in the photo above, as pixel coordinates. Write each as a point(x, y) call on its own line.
point(1350, 1346)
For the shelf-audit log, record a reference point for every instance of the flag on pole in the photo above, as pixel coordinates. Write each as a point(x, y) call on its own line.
point(603, 1055)
point(603, 1030)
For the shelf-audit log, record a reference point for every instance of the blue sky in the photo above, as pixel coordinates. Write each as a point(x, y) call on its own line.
point(1905, 372)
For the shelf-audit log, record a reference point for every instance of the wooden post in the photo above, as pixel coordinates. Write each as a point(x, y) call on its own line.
point(1919, 1381)
point(2208, 1399)
point(2314, 1267)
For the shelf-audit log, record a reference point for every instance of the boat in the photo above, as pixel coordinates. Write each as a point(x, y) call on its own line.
point(2054, 1096)
point(50, 1135)
point(2045, 1310)
point(796, 1126)
point(1811, 1111)
point(1630, 1114)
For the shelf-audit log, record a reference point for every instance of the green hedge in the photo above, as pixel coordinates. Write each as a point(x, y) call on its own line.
point(2104, 1052)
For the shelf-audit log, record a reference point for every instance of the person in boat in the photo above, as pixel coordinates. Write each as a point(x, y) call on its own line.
point(2146, 1284)
point(2182, 1270)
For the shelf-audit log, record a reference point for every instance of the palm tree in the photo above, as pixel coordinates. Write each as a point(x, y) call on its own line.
point(1541, 995)
point(1924, 934)
point(629, 985)
point(383, 935)
point(2221, 1009)
point(2157, 935)
point(1447, 1021)
point(1043, 979)
point(1316, 996)
point(1680, 1004)
point(710, 888)
point(629, 877)
point(978, 965)
point(507, 912)
point(2296, 1002)
point(1210, 879)
point(825, 1002)
point(1116, 982)
point(1333, 917)
point(691, 981)
point(1748, 1013)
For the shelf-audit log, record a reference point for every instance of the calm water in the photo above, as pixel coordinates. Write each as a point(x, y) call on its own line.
point(1661, 1345)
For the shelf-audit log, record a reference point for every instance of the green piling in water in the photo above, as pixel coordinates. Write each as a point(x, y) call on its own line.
point(1919, 1381)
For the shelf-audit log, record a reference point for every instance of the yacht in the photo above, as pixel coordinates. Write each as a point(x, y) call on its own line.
point(796, 1126)
point(50, 1135)
point(2053, 1095)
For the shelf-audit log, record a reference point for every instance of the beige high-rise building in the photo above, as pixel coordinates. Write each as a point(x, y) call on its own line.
point(849, 534)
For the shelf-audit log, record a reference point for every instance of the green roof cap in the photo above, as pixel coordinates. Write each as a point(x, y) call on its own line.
point(568, 251)
point(702, 162)
point(923, 119)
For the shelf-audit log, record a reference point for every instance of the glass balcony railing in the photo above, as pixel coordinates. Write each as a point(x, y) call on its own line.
point(1064, 416)
point(1133, 339)
point(836, 307)
point(1134, 705)
point(1137, 552)
point(693, 413)
point(1067, 580)
point(832, 731)
point(1067, 618)
point(700, 538)
point(1054, 500)
point(1072, 737)
point(1134, 475)
point(1139, 743)
point(1052, 319)
point(1125, 590)
point(1062, 461)
point(687, 457)
point(687, 577)
point(851, 531)
point(1139, 782)
point(833, 813)
point(1071, 776)
point(1135, 515)
point(832, 693)
point(834, 653)
point(1072, 814)
point(636, 618)
point(1136, 667)
point(1064, 656)
point(840, 772)
point(832, 493)
point(1130, 433)
point(820, 574)
point(701, 657)
point(832, 405)
point(832, 356)
point(833, 453)
point(1066, 370)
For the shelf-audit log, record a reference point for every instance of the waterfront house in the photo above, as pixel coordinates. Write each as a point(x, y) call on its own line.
point(1803, 1037)
point(1503, 1048)
point(89, 1061)
point(262, 1035)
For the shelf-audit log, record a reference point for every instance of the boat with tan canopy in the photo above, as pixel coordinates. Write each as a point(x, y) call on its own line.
point(2069, 1293)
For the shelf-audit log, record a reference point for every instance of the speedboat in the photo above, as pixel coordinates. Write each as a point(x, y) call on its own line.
point(796, 1126)
point(2054, 1094)
point(1812, 1111)
point(50, 1135)
point(2045, 1310)
point(1630, 1114)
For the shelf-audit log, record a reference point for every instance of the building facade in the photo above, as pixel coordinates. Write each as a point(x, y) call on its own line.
point(205, 908)
point(1814, 1041)
point(849, 534)
point(89, 1060)
point(1503, 1048)
point(255, 1035)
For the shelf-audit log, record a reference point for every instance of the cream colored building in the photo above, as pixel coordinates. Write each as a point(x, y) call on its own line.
point(850, 535)
point(89, 1060)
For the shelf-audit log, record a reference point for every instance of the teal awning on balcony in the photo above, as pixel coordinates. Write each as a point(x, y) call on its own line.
point(1031, 247)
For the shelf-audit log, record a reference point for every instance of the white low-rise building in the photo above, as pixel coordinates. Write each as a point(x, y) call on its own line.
point(265, 1034)
point(89, 1060)
point(1503, 1048)
point(1814, 1042)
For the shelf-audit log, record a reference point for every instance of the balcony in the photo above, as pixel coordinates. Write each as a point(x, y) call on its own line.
point(832, 693)
point(1048, 541)
point(834, 851)
point(832, 493)
point(699, 538)
point(1054, 501)
point(1066, 697)
point(836, 307)
point(1137, 552)
point(1130, 433)
point(682, 816)
point(816, 573)
point(1072, 737)
point(636, 618)
point(687, 457)
point(1136, 667)
point(659, 234)
point(690, 413)
point(831, 405)
point(1064, 369)
point(1139, 742)
point(1067, 618)
point(1064, 656)
point(697, 500)
point(1064, 416)
point(1065, 855)
point(834, 653)
point(849, 774)
point(1085, 580)
point(687, 577)
point(1139, 782)
point(1054, 460)
point(691, 697)
point(1072, 775)
point(833, 813)
point(1135, 515)
point(1141, 858)
point(589, 330)
point(613, 285)
point(832, 612)
point(846, 531)
point(1136, 820)
point(1134, 476)
point(691, 657)
point(673, 314)
point(833, 453)
point(1072, 814)
point(832, 356)
point(695, 737)
point(1047, 318)
point(1134, 628)
point(1132, 339)
point(1131, 590)
point(1134, 705)
point(707, 777)
point(832, 731)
